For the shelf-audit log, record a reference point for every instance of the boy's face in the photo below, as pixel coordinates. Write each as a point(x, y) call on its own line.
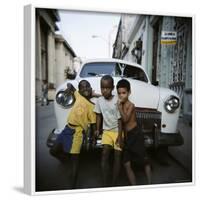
point(123, 94)
point(106, 88)
point(85, 89)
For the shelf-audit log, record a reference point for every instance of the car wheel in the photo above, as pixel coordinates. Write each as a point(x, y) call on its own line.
point(51, 139)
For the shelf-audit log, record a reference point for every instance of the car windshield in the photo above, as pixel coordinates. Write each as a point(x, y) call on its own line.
point(100, 69)
point(113, 69)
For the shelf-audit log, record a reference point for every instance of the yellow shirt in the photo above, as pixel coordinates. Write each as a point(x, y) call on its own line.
point(82, 112)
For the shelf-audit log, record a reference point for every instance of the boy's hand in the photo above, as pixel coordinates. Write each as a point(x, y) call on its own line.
point(95, 94)
point(97, 133)
point(93, 141)
point(119, 142)
point(119, 103)
point(70, 89)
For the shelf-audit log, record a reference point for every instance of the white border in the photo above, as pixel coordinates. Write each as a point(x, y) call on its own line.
point(29, 99)
point(33, 102)
point(193, 101)
point(27, 96)
point(108, 10)
point(29, 114)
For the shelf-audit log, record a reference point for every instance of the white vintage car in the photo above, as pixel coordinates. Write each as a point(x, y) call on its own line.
point(157, 109)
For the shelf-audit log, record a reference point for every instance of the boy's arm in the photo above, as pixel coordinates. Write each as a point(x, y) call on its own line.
point(70, 89)
point(93, 136)
point(97, 110)
point(119, 140)
point(98, 124)
point(93, 128)
point(95, 94)
point(120, 128)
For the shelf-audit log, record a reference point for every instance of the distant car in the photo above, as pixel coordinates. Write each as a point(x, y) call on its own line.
point(157, 109)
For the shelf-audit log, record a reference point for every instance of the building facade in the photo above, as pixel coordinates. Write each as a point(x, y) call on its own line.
point(163, 46)
point(64, 59)
point(54, 56)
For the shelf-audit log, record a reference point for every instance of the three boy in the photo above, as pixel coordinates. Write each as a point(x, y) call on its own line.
point(116, 115)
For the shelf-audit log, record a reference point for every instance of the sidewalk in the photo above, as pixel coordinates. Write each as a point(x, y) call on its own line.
point(51, 96)
point(183, 153)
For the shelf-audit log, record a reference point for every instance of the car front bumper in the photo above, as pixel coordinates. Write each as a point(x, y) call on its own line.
point(170, 139)
point(157, 139)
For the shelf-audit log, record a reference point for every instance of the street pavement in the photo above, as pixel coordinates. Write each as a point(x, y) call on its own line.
point(183, 153)
point(51, 174)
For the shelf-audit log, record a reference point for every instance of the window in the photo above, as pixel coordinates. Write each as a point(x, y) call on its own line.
point(100, 69)
point(135, 73)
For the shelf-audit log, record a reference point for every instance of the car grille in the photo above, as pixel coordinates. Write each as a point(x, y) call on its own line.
point(148, 120)
point(148, 115)
point(144, 115)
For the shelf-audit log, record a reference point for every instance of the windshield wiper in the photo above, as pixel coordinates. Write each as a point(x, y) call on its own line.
point(93, 74)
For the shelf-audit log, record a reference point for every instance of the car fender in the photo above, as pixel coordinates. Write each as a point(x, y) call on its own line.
point(169, 120)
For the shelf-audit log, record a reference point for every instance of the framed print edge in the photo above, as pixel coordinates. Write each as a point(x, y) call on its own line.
point(104, 9)
point(29, 99)
point(194, 70)
point(30, 103)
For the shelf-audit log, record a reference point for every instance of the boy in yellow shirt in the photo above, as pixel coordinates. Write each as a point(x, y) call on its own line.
point(71, 138)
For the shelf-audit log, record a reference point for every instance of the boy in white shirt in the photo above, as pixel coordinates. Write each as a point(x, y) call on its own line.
point(108, 113)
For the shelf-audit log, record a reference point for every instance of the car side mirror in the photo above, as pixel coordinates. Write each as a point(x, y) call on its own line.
point(71, 76)
point(156, 83)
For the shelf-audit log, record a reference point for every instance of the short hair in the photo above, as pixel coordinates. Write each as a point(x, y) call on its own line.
point(81, 82)
point(108, 78)
point(123, 83)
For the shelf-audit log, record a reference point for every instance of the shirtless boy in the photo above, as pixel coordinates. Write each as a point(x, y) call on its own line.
point(133, 148)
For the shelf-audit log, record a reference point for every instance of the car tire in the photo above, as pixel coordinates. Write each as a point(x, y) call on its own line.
point(50, 142)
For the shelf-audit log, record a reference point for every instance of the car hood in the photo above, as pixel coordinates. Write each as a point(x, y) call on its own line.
point(143, 94)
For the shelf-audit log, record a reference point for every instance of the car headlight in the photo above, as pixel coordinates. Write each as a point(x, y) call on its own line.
point(171, 104)
point(64, 99)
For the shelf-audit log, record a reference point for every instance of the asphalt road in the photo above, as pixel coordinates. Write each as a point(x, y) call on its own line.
point(51, 174)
